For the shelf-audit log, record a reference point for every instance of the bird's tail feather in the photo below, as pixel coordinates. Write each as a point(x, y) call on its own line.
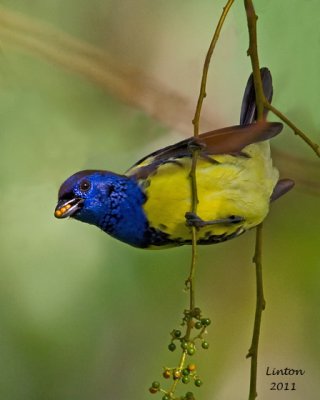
point(248, 112)
point(248, 115)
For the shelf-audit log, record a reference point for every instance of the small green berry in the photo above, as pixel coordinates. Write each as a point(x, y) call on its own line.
point(172, 347)
point(191, 351)
point(185, 371)
point(198, 325)
point(165, 397)
point(205, 345)
point(205, 321)
point(155, 385)
point(189, 396)
point(185, 379)
point(184, 345)
point(177, 333)
point(198, 382)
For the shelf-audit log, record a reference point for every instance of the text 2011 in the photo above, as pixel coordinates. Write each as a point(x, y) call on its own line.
point(283, 386)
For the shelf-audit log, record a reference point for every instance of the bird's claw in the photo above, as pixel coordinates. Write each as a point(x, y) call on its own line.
point(193, 220)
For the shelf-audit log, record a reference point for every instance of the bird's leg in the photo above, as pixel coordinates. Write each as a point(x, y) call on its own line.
point(193, 220)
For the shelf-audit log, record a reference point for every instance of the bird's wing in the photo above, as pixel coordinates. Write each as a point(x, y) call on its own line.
point(229, 140)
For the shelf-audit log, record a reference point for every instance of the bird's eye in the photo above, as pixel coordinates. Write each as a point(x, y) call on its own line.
point(85, 185)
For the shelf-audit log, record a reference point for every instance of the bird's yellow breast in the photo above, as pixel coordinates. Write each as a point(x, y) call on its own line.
point(231, 185)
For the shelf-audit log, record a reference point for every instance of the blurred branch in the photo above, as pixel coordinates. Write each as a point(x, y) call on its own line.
point(125, 82)
point(128, 84)
point(306, 172)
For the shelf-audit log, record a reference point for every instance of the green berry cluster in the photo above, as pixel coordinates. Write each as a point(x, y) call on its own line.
point(187, 342)
point(188, 345)
point(186, 375)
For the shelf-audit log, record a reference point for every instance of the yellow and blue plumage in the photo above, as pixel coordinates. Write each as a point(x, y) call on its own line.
point(220, 184)
point(147, 206)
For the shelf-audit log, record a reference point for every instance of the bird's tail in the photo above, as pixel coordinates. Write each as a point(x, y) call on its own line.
point(248, 115)
point(248, 112)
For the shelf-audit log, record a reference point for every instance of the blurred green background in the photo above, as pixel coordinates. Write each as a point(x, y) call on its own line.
point(83, 316)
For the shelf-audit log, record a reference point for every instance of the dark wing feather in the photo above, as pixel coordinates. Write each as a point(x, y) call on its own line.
point(222, 141)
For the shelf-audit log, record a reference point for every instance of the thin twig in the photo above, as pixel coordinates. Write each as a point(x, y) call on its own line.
point(203, 85)
point(260, 306)
point(190, 282)
point(260, 301)
point(180, 367)
point(314, 146)
point(261, 100)
point(194, 205)
point(262, 103)
point(196, 123)
point(253, 53)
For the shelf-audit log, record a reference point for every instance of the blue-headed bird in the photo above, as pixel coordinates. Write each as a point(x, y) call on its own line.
point(149, 206)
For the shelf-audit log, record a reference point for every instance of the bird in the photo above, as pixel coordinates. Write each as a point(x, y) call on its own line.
point(149, 205)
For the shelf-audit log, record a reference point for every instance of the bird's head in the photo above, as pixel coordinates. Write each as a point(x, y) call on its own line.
point(86, 196)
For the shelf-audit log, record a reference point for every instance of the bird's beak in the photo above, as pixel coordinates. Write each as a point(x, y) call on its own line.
point(66, 208)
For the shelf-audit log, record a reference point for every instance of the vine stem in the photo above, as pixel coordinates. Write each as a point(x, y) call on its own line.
point(194, 205)
point(260, 306)
point(180, 367)
point(253, 53)
point(260, 101)
point(195, 153)
point(314, 146)
point(202, 94)
point(190, 282)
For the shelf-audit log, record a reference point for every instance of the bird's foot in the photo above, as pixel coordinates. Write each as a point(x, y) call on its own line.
point(192, 219)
